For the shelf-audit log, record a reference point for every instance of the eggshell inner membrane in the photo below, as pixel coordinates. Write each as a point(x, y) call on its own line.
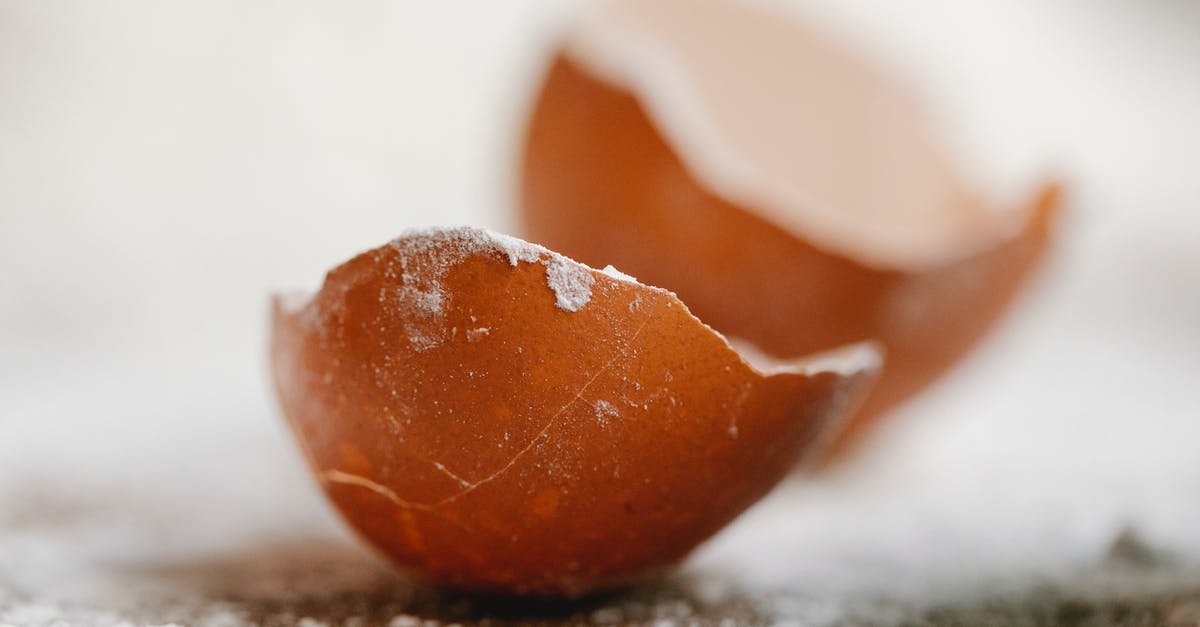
point(775, 119)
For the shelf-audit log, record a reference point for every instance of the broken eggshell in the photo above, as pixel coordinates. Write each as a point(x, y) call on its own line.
point(498, 418)
point(788, 192)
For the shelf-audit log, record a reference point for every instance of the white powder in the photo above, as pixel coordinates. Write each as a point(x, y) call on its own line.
point(453, 245)
point(517, 249)
point(571, 282)
point(429, 301)
point(605, 410)
point(424, 327)
point(427, 254)
point(618, 275)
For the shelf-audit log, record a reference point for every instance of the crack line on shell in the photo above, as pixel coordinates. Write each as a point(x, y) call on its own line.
point(553, 419)
point(446, 471)
point(342, 477)
point(436, 464)
point(345, 478)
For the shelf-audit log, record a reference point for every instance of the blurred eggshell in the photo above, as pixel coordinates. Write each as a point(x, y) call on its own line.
point(498, 418)
point(789, 193)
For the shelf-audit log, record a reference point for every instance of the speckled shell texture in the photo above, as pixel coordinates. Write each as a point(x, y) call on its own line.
point(488, 439)
point(600, 183)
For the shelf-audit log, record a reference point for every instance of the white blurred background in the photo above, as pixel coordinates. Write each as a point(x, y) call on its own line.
point(163, 166)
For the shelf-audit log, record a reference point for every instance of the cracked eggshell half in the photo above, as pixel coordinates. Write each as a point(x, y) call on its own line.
point(788, 192)
point(498, 418)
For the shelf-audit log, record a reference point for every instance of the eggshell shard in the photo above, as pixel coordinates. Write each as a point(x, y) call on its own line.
point(498, 418)
point(812, 209)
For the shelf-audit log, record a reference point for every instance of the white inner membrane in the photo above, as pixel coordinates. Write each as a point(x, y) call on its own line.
point(775, 119)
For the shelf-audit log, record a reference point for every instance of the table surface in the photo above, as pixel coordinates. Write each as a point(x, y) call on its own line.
point(163, 166)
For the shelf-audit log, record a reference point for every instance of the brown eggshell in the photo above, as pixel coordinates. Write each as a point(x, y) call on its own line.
point(498, 418)
point(601, 183)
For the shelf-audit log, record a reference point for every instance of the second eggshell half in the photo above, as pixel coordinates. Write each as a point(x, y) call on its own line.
point(789, 193)
point(499, 418)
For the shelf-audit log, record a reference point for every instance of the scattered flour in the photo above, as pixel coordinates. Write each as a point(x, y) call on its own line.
point(618, 275)
point(423, 330)
point(571, 282)
point(605, 410)
point(427, 254)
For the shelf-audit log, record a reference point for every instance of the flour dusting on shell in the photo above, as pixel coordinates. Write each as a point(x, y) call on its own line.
point(605, 410)
point(571, 282)
point(618, 275)
point(427, 254)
